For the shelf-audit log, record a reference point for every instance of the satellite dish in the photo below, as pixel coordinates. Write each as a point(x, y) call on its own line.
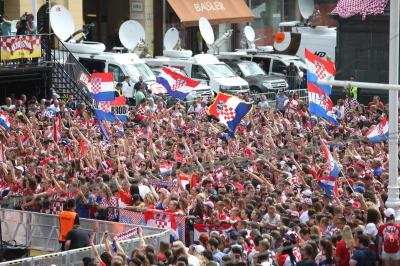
point(61, 22)
point(171, 38)
point(131, 33)
point(249, 33)
point(306, 8)
point(206, 31)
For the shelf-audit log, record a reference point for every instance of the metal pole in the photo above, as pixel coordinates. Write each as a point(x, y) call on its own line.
point(364, 85)
point(34, 10)
point(393, 200)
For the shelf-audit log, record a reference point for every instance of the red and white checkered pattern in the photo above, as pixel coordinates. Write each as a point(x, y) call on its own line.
point(140, 110)
point(178, 83)
point(228, 113)
point(349, 8)
point(320, 71)
point(161, 224)
point(95, 85)
point(127, 235)
point(105, 106)
point(202, 113)
point(7, 42)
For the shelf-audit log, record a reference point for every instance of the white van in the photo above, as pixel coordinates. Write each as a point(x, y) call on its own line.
point(207, 69)
point(121, 65)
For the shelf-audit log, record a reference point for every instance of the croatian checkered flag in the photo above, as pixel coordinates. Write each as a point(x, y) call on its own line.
point(161, 219)
point(177, 85)
point(229, 110)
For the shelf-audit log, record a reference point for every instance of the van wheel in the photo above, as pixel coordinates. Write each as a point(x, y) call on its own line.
point(254, 90)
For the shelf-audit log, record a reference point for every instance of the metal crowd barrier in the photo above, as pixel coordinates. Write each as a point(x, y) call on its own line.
point(271, 97)
point(40, 232)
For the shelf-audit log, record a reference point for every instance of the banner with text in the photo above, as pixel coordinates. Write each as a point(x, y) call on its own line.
point(17, 47)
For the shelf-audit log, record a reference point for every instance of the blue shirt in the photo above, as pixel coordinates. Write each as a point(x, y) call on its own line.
point(364, 256)
point(217, 256)
point(280, 102)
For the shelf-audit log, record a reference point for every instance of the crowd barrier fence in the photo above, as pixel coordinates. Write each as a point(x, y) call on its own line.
point(40, 232)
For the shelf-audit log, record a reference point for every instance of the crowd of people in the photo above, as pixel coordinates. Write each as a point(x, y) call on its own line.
point(264, 182)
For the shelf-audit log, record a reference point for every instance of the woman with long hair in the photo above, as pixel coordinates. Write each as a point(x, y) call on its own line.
point(325, 255)
point(344, 247)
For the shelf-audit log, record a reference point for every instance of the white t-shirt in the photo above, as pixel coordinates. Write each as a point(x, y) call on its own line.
point(263, 104)
point(127, 90)
point(143, 190)
point(274, 221)
point(193, 260)
point(304, 217)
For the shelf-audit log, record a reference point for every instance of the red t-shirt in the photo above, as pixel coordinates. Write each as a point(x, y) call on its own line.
point(388, 227)
point(343, 253)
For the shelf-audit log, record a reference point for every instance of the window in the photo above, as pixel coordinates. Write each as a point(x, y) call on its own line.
point(278, 67)
point(236, 68)
point(198, 72)
point(118, 74)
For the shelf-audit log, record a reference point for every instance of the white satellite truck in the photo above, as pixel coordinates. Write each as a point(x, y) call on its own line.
point(92, 56)
point(273, 64)
point(205, 68)
point(297, 36)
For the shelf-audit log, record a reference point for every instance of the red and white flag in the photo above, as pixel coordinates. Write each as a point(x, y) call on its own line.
point(208, 228)
point(161, 219)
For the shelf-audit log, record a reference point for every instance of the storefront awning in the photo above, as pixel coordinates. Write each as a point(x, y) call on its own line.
point(216, 11)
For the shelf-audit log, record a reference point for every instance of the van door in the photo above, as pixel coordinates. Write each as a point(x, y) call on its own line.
point(93, 65)
point(119, 75)
point(200, 74)
point(278, 68)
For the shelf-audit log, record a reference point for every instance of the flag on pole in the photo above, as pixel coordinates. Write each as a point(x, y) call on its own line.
point(329, 183)
point(55, 133)
point(333, 167)
point(177, 85)
point(319, 69)
point(379, 132)
point(102, 86)
point(320, 104)
point(229, 110)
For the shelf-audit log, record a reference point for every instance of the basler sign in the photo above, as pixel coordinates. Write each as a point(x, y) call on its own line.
point(209, 6)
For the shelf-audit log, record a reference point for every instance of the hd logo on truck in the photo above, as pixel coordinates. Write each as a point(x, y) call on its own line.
point(209, 6)
point(320, 54)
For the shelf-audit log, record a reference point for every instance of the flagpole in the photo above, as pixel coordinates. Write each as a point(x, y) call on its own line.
point(393, 200)
point(393, 188)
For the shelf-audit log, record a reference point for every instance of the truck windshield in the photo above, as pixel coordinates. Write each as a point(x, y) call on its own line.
point(251, 69)
point(136, 70)
point(220, 71)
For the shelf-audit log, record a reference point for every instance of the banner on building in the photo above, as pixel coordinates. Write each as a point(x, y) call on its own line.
point(17, 47)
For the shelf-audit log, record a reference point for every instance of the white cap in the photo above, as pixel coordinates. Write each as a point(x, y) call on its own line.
point(389, 212)
point(307, 193)
point(371, 230)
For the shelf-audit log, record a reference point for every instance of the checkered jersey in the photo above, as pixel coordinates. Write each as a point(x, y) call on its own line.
point(349, 8)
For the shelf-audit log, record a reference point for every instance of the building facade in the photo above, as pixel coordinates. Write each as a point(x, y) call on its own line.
point(157, 16)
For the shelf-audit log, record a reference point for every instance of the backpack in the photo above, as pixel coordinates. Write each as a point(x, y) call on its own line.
point(391, 243)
